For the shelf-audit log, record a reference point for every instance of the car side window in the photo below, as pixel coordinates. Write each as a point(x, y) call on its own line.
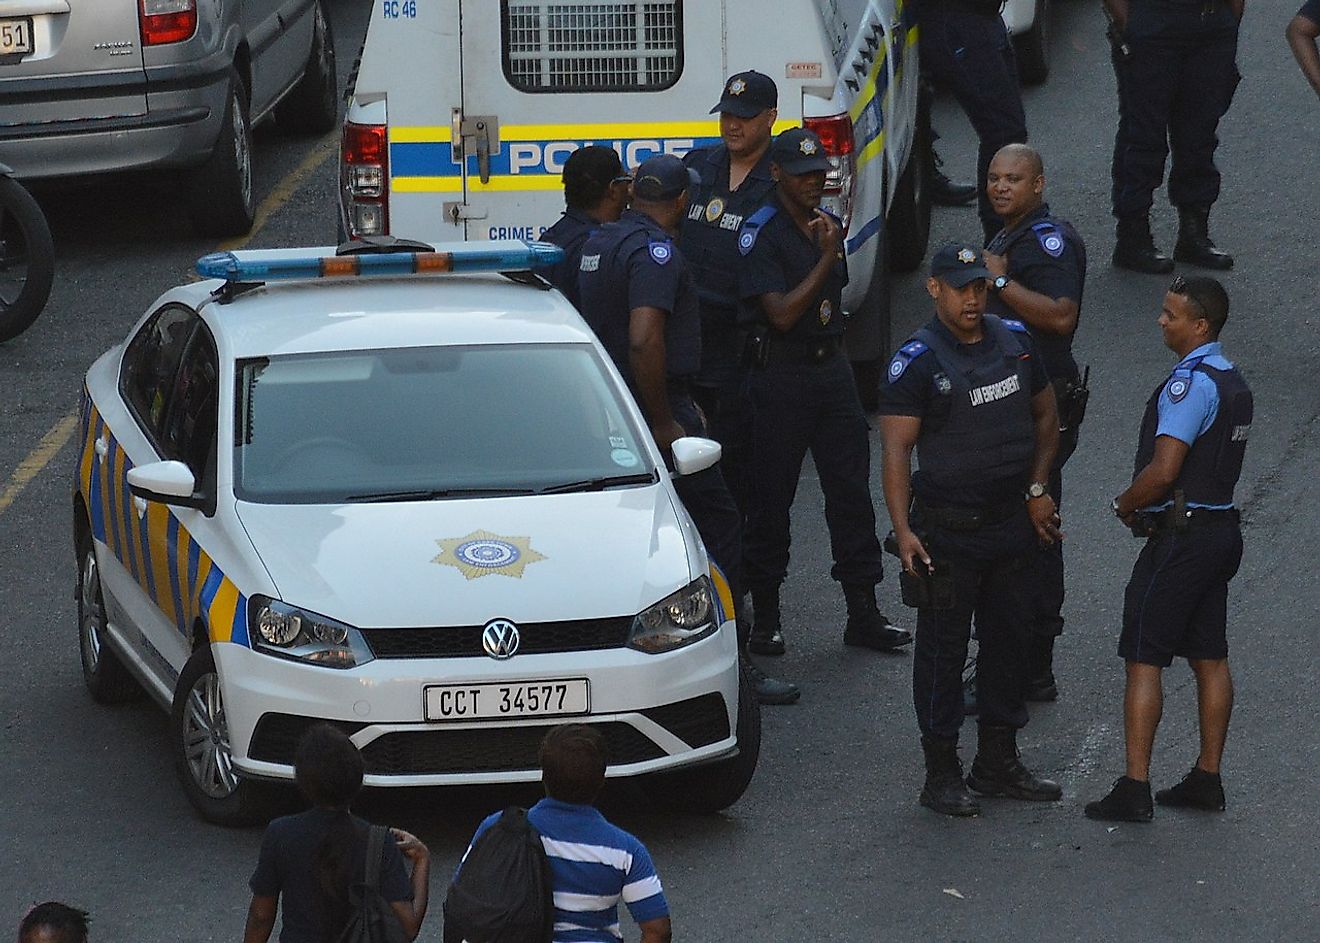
point(190, 427)
point(151, 363)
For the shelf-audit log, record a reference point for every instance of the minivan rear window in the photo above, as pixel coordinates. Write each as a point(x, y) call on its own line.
point(592, 45)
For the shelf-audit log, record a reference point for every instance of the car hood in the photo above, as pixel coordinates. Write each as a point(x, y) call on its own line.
point(463, 562)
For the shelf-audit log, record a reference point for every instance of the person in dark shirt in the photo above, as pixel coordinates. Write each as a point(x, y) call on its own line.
point(969, 394)
point(595, 193)
point(802, 397)
point(309, 861)
point(53, 922)
point(1302, 31)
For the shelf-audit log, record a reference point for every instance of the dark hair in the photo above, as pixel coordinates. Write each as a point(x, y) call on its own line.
point(1208, 295)
point(328, 768)
point(68, 924)
point(588, 173)
point(573, 763)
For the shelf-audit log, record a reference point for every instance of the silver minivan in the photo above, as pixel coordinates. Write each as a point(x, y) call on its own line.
point(97, 87)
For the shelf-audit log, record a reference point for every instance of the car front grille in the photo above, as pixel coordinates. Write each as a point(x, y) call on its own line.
point(276, 738)
point(536, 638)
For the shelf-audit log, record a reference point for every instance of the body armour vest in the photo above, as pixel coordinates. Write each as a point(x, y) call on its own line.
point(710, 232)
point(1213, 464)
point(983, 425)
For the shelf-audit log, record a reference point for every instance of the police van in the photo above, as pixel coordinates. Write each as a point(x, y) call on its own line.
point(461, 114)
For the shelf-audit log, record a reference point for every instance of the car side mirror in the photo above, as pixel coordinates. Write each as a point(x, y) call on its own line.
point(167, 483)
point(693, 454)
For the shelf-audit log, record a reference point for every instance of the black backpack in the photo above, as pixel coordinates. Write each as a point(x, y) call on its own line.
point(502, 893)
point(372, 919)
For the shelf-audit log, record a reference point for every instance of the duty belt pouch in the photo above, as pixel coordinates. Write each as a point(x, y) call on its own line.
point(1073, 396)
point(929, 591)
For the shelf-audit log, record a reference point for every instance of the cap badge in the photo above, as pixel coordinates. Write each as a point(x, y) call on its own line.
point(807, 146)
point(737, 87)
point(966, 256)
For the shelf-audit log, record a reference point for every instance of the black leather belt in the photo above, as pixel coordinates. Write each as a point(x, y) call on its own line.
point(1169, 519)
point(817, 351)
point(951, 518)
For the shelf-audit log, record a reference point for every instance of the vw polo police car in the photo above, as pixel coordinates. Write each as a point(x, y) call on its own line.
point(415, 501)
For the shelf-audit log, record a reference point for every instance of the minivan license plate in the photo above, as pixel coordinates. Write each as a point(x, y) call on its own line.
point(15, 37)
point(513, 699)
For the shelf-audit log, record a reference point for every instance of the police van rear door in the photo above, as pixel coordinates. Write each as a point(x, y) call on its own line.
point(541, 78)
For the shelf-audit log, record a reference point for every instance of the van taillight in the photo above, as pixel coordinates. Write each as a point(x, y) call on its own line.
point(167, 21)
point(836, 133)
point(363, 175)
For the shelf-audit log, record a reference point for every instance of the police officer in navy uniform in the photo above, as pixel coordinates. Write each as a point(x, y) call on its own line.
point(1039, 266)
point(735, 180)
point(595, 193)
point(803, 398)
point(1189, 458)
point(637, 295)
point(969, 392)
point(1176, 66)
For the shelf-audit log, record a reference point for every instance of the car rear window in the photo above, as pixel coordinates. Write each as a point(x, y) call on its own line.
point(412, 423)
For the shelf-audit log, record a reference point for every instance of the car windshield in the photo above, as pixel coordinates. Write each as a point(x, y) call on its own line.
point(431, 423)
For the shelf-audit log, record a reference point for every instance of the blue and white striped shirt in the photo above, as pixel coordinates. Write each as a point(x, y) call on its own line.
point(594, 865)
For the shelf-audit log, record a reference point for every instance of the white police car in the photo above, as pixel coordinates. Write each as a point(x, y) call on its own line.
point(421, 506)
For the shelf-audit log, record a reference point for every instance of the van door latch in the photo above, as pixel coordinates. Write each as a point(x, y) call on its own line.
point(477, 134)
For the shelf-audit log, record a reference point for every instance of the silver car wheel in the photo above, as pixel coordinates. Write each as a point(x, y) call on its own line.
point(92, 622)
point(242, 149)
point(206, 739)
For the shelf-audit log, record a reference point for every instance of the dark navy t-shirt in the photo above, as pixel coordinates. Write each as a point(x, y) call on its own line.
point(285, 869)
point(569, 233)
point(1311, 10)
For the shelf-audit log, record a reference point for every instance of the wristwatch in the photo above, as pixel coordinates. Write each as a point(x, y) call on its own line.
point(1113, 506)
point(1000, 283)
point(1037, 489)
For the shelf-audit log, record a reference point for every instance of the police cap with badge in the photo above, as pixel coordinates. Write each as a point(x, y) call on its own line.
point(958, 265)
point(659, 178)
point(747, 94)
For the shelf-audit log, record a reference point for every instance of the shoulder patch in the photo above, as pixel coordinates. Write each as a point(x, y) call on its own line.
point(661, 252)
point(1177, 389)
point(752, 228)
point(905, 355)
point(1050, 238)
point(1015, 325)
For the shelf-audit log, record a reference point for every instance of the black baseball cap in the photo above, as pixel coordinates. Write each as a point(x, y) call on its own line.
point(958, 264)
point(747, 94)
point(593, 163)
point(663, 177)
point(798, 151)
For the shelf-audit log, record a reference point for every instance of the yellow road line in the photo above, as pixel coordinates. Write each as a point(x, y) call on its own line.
point(59, 434)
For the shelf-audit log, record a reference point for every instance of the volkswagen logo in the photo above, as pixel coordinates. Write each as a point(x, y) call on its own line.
point(500, 639)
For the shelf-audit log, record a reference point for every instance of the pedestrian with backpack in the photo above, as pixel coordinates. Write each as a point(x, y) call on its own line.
point(499, 893)
point(335, 877)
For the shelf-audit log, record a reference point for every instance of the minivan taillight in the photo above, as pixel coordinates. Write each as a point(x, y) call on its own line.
point(836, 134)
point(167, 21)
point(364, 165)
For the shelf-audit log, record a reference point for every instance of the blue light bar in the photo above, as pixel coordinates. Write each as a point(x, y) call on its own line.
point(462, 258)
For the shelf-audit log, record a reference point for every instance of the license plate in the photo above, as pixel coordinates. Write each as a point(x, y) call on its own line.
point(15, 37)
point(513, 699)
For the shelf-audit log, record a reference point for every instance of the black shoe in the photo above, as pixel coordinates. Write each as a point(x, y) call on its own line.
point(1135, 248)
point(944, 790)
point(767, 635)
point(943, 191)
point(769, 690)
point(969, 688)
point(1194, 246)
point(1128, 801)
point(1198, 790)
point(998, 770)
point(766, 641)
point(867, 626)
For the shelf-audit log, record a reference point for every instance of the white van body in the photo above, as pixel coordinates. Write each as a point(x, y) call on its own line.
point(462, 112)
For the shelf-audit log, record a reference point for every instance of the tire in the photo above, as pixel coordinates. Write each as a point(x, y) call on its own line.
point(202, 757)
point(908, 222)
point(312, 107)
point(868, 342)
point(108, 681)
point(1032, 48)
point(220, 190)
point(716, 786)
point(27, 259)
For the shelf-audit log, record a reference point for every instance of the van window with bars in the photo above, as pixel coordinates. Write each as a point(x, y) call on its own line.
point(592, 45)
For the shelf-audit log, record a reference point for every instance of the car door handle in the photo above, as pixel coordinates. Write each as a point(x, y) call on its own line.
point(140, 506)
point(102, 447)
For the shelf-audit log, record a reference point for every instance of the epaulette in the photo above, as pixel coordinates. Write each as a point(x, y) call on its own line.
point(1180, 381)
point(751, 227)
point(904, 356)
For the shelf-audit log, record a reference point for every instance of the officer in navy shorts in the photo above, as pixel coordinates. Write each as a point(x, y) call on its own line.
point(735, 180)
point(637, 295)
point(969, 393)
point(803, 399)
point(595, 193)
point(1038, 261)
point(1189, 458)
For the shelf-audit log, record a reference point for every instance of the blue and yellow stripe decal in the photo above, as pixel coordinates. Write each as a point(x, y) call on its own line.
point(723, 595)
point(156, 549)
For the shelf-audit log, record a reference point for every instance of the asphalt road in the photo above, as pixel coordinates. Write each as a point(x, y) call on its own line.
point(829, 843)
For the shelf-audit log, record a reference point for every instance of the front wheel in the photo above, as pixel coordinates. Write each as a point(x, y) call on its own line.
point(203, 757)
point(27, 259)
point(908, 223)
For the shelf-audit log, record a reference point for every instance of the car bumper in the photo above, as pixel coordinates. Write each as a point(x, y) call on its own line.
point(656, 712)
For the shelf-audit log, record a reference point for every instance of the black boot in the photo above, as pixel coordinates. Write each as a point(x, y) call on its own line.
point(942, 190)
point(998, 770)
point(1040, 686)
point(768, 690)
point(944, 790)
point(1135, 248)
point(1128, 801)
point(867, 627)
point(1198, 790)
point(767, 635)
point(1194, 246)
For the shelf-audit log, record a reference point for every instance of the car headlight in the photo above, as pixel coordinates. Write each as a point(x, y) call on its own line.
point(277, 628)
point(679, 619)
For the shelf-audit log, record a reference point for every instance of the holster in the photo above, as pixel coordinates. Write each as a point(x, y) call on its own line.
point(1073, 396)
point(934, 589)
